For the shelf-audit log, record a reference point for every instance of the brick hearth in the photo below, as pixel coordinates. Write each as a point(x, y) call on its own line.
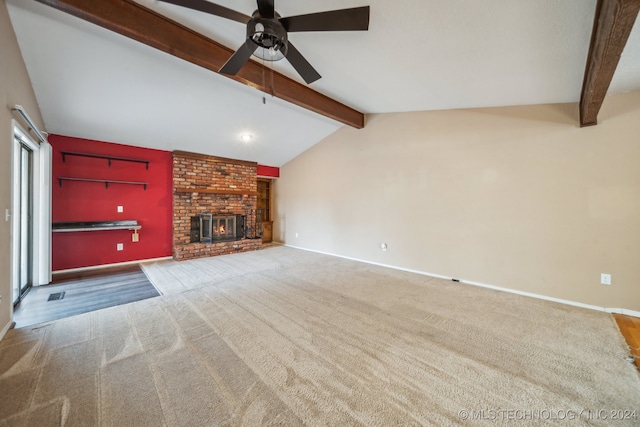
point(206, 184)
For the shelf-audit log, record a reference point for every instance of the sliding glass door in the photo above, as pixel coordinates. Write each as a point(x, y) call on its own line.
point(25, 220)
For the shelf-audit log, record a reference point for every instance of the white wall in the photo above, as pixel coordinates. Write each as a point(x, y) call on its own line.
point(516, 197)
point(15, 88)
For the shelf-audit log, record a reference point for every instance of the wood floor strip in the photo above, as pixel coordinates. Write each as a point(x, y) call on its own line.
point(88, 291)
point(630, 328)
point(85, 274)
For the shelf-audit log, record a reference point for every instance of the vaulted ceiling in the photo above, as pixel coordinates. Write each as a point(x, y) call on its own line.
point(94, 83)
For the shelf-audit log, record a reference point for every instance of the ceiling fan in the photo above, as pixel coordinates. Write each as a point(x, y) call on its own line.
point(267, 32)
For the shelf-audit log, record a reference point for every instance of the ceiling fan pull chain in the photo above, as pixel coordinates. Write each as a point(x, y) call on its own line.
point(264, 84)
point(272, 91)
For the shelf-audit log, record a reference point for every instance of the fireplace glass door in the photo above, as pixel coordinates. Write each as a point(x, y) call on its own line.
point(205, 228)
point(224, 228)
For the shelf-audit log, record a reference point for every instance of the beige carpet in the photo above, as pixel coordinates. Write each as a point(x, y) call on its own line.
point(287, 337)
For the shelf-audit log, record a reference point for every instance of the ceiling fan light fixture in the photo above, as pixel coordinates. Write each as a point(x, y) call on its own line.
point(270, 54)
point(269, 37)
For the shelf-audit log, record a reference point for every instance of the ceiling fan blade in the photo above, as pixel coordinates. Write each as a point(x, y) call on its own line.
point(266, 8)
point(238, 59)
point(302, 66)
point(212, 8)
point(355, 19)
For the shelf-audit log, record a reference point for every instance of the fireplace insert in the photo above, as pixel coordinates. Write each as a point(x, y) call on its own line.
point(210, 228)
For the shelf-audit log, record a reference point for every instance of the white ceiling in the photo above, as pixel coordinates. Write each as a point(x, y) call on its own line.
point(417, 55)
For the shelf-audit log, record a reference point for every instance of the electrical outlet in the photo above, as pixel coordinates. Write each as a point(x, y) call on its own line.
point(296, 235)
point(605, 279)
point(383, 246)
point(120, 209)
point(120, 246)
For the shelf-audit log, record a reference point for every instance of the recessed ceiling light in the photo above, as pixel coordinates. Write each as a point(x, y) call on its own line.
point(246, 137)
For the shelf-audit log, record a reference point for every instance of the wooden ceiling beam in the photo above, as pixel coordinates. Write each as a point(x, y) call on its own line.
point(144, 25)
point(612, 25)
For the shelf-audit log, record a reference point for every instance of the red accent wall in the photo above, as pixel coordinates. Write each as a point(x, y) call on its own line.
point(91, 201)
point(268, 171)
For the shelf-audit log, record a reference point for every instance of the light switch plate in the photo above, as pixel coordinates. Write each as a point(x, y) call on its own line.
point(605, 279)
point(120, 209)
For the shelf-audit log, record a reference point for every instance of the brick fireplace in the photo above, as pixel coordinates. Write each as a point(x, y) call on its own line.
point(213, 187)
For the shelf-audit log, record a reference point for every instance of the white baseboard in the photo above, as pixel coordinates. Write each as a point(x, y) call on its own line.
point(5, 329)
point(117, 264)
point(624, 311)
point(143, 261)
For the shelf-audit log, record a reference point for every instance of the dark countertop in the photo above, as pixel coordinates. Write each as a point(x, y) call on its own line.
point(58, 227)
